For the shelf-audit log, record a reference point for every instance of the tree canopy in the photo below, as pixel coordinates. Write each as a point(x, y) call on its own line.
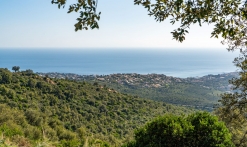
point(199, 129)
point(232, 109)
point(16, 68)
point(227, 16)
point(62, 112)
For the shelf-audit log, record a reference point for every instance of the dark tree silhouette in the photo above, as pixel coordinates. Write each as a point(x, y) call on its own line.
point(16, 68)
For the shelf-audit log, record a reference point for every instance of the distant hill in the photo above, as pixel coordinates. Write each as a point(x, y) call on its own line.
point(198, 92)
point(43, 110)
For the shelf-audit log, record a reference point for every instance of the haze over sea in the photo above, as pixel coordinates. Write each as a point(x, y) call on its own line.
point(171, 62)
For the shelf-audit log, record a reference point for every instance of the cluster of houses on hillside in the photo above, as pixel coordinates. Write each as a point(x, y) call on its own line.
point(219, 81)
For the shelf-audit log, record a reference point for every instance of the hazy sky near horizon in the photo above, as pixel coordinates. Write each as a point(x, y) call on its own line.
point(39, 24)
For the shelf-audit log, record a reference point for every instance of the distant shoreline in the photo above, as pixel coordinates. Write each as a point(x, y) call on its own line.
point(74, 76)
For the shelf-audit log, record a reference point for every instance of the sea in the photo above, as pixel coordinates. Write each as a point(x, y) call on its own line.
point(181, 63)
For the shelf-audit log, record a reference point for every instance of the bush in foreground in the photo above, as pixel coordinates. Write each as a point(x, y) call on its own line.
point(200, 129)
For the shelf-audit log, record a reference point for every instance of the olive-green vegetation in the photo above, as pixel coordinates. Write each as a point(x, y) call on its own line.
point(200, 93)
point(196, 130)
point(40, 111)
point(232, 108)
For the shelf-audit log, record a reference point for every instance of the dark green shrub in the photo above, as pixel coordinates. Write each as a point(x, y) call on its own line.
point(197, 130)
point(208, 131)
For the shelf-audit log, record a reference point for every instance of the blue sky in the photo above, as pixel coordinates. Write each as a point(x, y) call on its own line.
point(39, 24)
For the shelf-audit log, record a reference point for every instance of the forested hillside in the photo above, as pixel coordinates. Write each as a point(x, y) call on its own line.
point(41, 110)
point(197, 92)
point(200, 93)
